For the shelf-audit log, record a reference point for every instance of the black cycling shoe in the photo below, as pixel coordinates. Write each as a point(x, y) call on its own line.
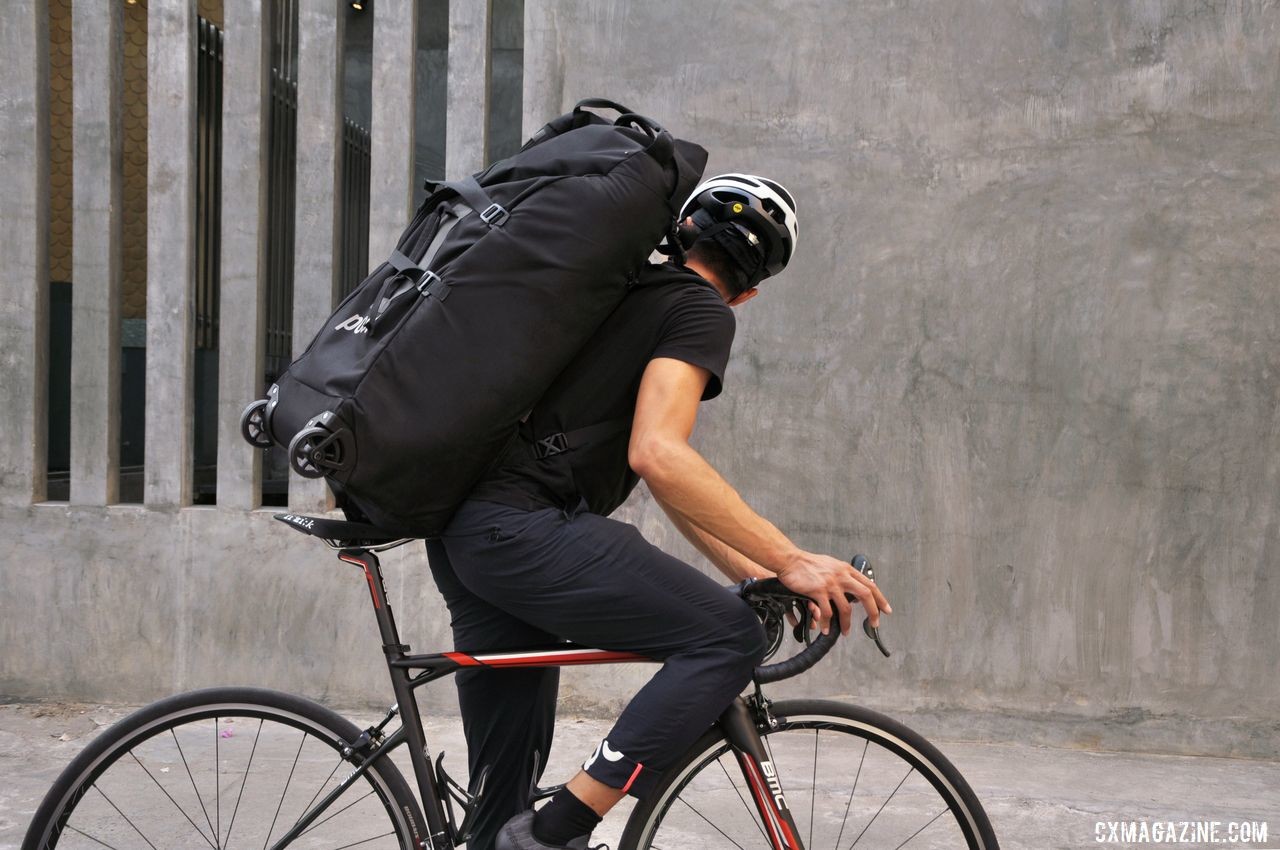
point(517, 834)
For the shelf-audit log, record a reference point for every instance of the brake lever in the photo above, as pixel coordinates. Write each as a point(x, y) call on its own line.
point(874, 633)
point(862, 565)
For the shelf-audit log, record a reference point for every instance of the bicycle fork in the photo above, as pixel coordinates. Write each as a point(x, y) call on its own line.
point(739, 724)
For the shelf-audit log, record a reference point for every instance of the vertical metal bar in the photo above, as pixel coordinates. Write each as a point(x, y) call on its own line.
point(97, 140)
point(171, 111)
point(215, 261)
point(24, 245)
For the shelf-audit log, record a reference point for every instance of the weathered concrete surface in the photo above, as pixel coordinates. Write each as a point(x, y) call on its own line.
point(24, 245)
point(467, 131)
point(392, 152)
point(1027, 356)
point(97, 65)
point(1037, 798)
point(318, 226)
point(1026, 360)
point(171, 251)
point(246, 73)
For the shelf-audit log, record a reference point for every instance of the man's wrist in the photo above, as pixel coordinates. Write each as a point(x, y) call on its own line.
point(790, 558)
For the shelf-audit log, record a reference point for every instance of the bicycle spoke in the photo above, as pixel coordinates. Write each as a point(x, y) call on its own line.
point(750, 811)
point(365, 841)
point(712, 825)
point(199, 798)
point(217, 786)
point(921, 829)
point(335, 814)
point(171, 800)
point(123, 815)
point(90, 837)
point(285, 792)
point(881, 809)
point(856, 777)
point(314, 797)
point(244, 782)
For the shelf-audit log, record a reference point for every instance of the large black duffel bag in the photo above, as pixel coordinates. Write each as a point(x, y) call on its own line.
point(421, 376)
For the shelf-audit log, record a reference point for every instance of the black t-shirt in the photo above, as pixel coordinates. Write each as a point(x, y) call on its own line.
point(671, 312)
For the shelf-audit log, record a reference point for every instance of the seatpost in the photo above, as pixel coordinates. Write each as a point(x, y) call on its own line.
point(411, 720)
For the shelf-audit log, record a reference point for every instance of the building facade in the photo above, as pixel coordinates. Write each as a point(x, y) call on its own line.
point(1025, 359)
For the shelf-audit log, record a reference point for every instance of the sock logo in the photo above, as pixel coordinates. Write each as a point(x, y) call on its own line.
point(603, 749)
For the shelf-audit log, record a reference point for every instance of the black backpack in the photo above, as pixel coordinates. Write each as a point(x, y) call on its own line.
point(420, 378)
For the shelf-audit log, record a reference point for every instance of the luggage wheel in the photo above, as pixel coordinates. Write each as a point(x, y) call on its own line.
point(317, 450)
point(253, 425)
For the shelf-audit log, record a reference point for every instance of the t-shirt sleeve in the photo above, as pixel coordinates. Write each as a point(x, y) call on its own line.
point(699, 331)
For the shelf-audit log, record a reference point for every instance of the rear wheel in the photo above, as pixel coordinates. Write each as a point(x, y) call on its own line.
point(851, 778)
point(224, 768)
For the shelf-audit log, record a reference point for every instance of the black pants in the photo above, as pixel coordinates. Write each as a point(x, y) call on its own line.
point(516, 579)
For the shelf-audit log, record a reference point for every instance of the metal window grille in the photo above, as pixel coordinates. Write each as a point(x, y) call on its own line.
point(281, 188)
point(355, 206)
point(209, 183)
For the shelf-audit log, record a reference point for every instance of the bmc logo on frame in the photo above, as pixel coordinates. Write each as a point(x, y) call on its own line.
point(357, 324)
point(775, 787)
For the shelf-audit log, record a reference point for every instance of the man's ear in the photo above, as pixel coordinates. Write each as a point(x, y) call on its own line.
point(744, 297)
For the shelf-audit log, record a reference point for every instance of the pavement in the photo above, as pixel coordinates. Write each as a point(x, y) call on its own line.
point(1036, 797)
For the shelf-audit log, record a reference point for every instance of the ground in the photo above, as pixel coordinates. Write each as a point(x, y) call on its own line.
point(1037, 797)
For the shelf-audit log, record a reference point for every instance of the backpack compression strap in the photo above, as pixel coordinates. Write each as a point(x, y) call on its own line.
point(563, 441)
point(470, 190)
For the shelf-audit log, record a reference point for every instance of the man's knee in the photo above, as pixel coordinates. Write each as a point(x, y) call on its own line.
point(744, 642)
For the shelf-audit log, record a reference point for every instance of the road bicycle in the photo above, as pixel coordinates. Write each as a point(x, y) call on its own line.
point(247, 767)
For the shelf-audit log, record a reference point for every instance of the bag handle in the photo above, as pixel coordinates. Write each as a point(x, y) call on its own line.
point(600, 103)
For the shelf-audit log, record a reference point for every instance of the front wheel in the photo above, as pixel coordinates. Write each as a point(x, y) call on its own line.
point(224, 768)
point(851, 778)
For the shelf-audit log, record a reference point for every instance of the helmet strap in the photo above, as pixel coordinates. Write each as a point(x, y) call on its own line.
point(748, 258)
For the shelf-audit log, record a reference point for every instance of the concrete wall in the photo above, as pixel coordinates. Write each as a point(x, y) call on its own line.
point(1027, 357)
point(1026, 360)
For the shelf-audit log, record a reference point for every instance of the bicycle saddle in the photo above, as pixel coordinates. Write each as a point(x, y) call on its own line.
point(340, 534)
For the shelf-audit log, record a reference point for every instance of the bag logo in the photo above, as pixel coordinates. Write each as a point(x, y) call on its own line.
point(357, 324)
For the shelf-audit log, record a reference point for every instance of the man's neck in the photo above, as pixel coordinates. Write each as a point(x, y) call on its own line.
point(700, 269)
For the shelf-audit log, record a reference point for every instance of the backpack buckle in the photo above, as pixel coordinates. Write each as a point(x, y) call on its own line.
point(431, 284)
point(552, 445)
point(494, 215)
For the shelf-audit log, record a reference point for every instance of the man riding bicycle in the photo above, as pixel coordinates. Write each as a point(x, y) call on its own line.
point(531, 556)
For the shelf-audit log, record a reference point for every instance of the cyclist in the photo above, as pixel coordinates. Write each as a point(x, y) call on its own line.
point(531, 556)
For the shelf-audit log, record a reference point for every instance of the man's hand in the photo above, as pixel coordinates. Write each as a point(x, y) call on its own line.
point(826, 581)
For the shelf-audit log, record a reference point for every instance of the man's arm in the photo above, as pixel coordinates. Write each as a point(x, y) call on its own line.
point(726, 559)
point(688, 486)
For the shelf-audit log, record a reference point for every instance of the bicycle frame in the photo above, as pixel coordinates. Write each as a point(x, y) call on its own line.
point(409, 672)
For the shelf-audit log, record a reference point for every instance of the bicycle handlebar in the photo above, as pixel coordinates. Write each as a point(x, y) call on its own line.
point(773, 590)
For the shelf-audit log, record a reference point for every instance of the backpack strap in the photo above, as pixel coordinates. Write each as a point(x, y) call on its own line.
point(471, 192)
point(411, 275)
point(563, 441)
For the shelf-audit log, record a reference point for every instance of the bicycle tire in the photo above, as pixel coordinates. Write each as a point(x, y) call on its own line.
point(700, 801)
point(251, 734)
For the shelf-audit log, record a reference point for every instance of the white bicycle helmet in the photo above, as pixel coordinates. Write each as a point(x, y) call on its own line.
point(760, 209)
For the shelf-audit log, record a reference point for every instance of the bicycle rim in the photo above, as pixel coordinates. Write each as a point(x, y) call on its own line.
point(851, 779)
point(221, 773)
